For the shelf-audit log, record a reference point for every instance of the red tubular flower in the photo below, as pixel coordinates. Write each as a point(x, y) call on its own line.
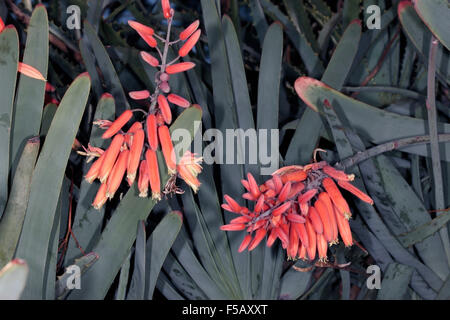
point(245, 243)
point(180, 67)
point(167, 149)
point(314, 217)
point(117, 173)
point(118, 124)
point(336, 197)
point(293, 242)
point(150, 40)
point(135, 155)
point(166, 8)
point(344, 228)
point(338, 175)
point(233, 205)
point(110, 158)
point(322, 247)
point(165, 109)
point(233, 227)
point(100, 198)
point(152, 133)
point(312, 237)
point(153, 174)
point(2, 25)
point(284, 192)
point(295, 176)
point(140, 28)
point(189, 168)
point(260, 234)
point(143, 180)
point(302, 252)
point(323, 196)
point(30, 71)
point(302, 233)
point(179, 101)
point(94, 171)
point(189, 30)
point(351, 188)
point(139, 95)
point(325, 218)
point(151, 60)
point(133, 129)
point(281, 209)
point(254, 189)
point(190, 43)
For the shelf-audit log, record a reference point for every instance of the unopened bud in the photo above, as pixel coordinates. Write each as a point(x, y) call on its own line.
point(164, 86)
point(164, 77)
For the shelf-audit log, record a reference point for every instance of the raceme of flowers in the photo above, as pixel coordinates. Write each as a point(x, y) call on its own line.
point(133, 152)
point(301, 206)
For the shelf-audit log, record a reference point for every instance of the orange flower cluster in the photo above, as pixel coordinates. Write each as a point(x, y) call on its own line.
point(135, 149)
point(302, 206)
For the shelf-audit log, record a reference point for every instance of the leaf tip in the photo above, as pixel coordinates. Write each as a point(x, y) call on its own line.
point(107, 96)
point(179, 214)
point(356, 21)
point(402, 6)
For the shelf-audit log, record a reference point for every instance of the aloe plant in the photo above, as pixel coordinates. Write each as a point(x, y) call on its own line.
point(370, 102)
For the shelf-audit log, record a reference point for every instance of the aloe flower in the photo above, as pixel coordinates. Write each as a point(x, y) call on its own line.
point(301, 206)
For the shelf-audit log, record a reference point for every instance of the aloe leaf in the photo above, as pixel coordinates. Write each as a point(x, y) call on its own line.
point(351, 11)
point(184, 253)
point(181, 279)
point(89, 62)
point(226, 118)
point(167, 289)
point(206, 248)
point(88, 222)
point(110, 77)
point(412, 213)
point(238, 77)
point(13, 278)
point(158, 246)
point(52, 253)
point(420, 36)
point(407, 66)
point(9, 57)
point(209, 220)
point(297, 13)
point(268, 103)
point(444, 292)
point(138, 279)
point(12, 221)
point(84, 263)
point(362, 116)
point(47, 118)
point(308, 129)
point(424, 231)
point(49, 172)
point(258, 19)
point(294, 283)
point(121, 291)
point(436, 15)
point(270, 78)
point(395, 282)
point(113, 250)
point(325, 34)
point(30, 92)
point(310, 58)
